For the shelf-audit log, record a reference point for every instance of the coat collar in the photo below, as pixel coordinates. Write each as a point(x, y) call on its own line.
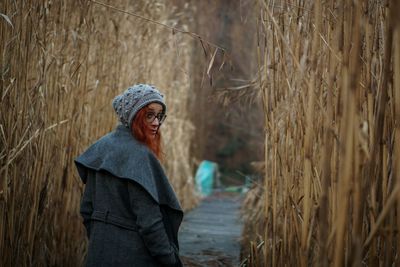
point(121, 155)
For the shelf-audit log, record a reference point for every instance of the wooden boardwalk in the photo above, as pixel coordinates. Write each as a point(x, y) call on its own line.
point(210, 234)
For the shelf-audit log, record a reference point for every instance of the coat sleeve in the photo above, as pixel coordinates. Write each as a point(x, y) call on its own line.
point(86, 209)
point(151, 227)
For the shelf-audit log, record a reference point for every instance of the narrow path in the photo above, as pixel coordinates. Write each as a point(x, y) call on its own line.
point(210, 234)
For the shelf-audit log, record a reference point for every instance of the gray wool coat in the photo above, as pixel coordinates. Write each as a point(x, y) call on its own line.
point(129, 208)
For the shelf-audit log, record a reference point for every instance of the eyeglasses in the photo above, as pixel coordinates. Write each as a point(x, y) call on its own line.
point(151, 116)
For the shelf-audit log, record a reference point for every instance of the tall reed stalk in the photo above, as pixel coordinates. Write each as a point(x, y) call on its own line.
point(330, 73)
point(61, 64)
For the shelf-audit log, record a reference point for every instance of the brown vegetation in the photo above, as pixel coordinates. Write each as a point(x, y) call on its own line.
point(330, 77)
point(62, 62)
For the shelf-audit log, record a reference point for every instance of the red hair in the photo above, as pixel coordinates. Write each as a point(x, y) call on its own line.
point(139, 125)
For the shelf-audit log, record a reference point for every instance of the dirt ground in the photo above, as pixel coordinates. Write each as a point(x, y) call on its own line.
point(210, 233)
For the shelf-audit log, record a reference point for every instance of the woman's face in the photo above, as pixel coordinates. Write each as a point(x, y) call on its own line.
point(152, 119)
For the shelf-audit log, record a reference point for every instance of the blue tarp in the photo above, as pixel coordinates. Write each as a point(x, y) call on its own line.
point(205, 176)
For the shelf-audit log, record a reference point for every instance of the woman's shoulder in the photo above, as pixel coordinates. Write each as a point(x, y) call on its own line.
point(118, 147)
point(118, 141)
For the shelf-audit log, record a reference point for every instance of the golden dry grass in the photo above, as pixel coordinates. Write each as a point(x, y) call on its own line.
point(62, 62)
point(330, 77)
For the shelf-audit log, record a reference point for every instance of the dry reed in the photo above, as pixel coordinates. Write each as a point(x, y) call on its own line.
point(61, 64)
point(330, 77)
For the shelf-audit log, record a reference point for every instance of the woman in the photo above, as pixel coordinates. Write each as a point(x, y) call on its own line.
point(129, 209)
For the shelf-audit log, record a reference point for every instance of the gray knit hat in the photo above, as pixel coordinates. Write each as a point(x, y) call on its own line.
point(133, 99)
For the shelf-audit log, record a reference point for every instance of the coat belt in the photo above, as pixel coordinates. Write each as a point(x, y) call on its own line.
point(106, 217)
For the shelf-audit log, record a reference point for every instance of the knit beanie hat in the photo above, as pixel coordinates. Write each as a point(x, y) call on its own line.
point(127, 104)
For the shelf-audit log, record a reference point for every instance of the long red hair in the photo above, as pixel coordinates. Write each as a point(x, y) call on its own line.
point(138, 130)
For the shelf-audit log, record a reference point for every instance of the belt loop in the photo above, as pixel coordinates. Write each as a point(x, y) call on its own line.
point(106, 217)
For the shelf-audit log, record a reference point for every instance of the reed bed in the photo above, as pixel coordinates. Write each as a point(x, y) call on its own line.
point(329, 76)
point(62, 62)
